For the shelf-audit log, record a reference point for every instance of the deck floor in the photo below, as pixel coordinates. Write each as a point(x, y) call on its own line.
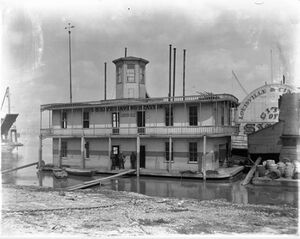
point(221, 173)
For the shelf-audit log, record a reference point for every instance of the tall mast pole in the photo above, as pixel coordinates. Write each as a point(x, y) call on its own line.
point(70, 63)
point(183, 75)
point(174, 69)
point(271, 56)
point(170, 70)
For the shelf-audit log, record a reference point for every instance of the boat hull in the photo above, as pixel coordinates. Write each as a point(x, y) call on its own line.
point(60, 173)
point(80, 172)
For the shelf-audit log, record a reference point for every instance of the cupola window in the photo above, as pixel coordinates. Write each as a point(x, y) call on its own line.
point(130, 73)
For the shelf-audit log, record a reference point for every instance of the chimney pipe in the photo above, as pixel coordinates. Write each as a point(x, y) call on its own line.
point(170, 70)
point(183, 76)
point(174, 68)
point(104, 80)
point(125, 51)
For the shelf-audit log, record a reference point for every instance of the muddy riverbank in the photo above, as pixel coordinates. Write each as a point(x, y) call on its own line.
point(30, 210)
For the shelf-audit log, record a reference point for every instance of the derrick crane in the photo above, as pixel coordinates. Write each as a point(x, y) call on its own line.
point(239, 82)
point(8, 99)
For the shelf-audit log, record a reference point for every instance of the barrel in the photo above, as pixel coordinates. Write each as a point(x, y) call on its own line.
point(274, 174)
point(289, 170)
point(281, 167)
point(273, 166)
point(261, 170)
point(269, 162)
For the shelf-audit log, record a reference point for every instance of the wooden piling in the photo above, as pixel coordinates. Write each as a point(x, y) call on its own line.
point(251, 172)
point(109, 153)
point(82, 152)
point(138, 155)
point(59, 153)
point(40, 151)
point(204, 158)
point(170, 154)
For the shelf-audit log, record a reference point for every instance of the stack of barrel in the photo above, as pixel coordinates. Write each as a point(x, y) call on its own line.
point(274, 170)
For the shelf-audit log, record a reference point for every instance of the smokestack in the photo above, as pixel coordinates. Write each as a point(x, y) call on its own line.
point(104, 80)
point(283, 79)
point(170, 70)
point(183, 76)
point(174, 69)
point(125, 51)
point(271, 56)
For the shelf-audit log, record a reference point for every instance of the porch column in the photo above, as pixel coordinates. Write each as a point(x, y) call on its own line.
point(200, 161)
point(200, 108)
point(16, 136)
point(138, 155)
point(217, 120)
point(109, 153)
point(59, 153)
point(40, 142)
point(170, 154)
point(40, 151)
point(82, 152)
point(204, 158)
point(49, 119)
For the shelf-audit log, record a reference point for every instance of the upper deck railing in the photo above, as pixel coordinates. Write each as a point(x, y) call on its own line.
point(146, 101)
point(150, 131)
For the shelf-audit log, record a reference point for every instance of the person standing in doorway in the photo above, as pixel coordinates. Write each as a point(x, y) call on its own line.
point(113, 161)
point(121, 160)
point(133, 160)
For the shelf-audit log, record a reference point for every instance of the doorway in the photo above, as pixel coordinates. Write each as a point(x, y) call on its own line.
point(141, 122)
point(142, 156)
point(115, 149)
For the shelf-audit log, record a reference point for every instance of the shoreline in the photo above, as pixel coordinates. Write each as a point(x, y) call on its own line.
point(33, 210)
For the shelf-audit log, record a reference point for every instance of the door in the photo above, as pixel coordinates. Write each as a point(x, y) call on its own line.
point(87, 149)
point(141, 122)
point(115, 149)
point(222, 153)
point(142, 156)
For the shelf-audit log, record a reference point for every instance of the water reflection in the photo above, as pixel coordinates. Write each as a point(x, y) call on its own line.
point(231, 191)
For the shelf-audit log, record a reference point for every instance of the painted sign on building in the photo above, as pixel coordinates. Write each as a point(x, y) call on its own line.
point(259, 109)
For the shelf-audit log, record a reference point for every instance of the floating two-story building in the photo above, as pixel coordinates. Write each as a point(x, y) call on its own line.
point(169, 134)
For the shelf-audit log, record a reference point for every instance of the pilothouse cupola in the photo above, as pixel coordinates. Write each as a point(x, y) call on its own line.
point(130, 77)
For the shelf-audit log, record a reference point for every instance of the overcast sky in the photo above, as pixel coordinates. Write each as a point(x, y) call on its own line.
point(219, 36)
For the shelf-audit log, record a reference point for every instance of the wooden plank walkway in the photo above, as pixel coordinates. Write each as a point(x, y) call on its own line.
point(14, 169)
point(98, 181)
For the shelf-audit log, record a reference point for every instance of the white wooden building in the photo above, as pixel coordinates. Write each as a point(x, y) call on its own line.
point(167, 133)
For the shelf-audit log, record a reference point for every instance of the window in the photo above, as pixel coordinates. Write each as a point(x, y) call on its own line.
point(222, 114)
point(87, 149)
point(115, 149)
point(64, 119)
point(167, 151)
point(86, 119)
point(193, 152)
point(130, 73)
point(130, 93)
point(169, 116)
point(142, 74)
point(140, 121)
point(115, 120)
point(64, 148)
point(119, 74)
point(193, 115)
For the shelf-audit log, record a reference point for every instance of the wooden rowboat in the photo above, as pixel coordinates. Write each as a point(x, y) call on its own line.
point(80, 172)
point(59, 173)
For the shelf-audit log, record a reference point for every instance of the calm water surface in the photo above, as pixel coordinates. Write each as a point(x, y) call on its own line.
point(230, 190)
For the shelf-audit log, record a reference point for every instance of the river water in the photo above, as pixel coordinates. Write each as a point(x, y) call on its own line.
point(230, 190)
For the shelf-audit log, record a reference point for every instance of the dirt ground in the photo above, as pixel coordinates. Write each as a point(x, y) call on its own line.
point(28, 210)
